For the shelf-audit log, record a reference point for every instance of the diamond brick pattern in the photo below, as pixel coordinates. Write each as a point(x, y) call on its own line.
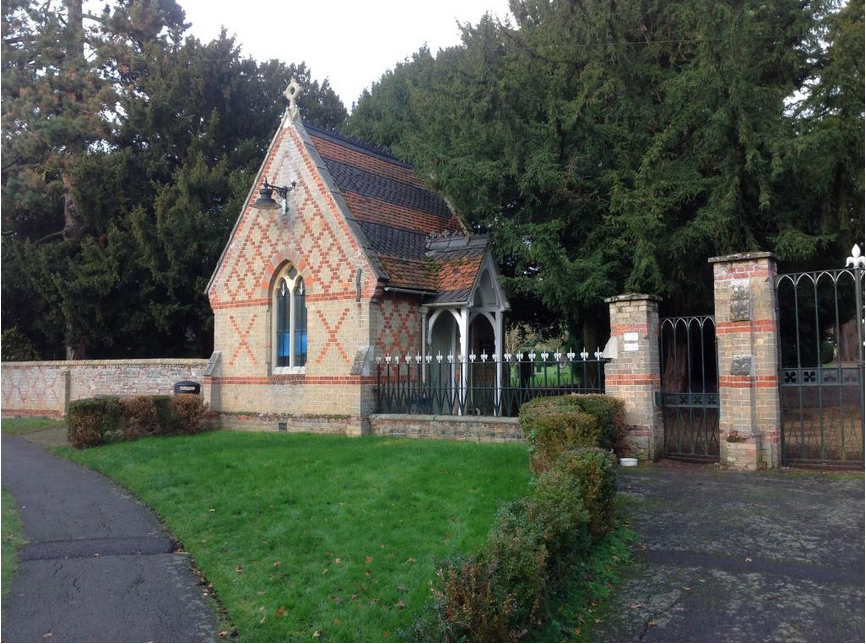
point(399, 333)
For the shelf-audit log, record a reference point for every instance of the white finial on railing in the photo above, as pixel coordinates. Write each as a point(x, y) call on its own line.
point(388, 359)
point(418, 358)
point(570, 355)
point(439, 357)
point(532, 356)
point(519, 357)
point(599, 354)
point(584, 354)
point(450, 357)
point(471, 357)
point(557, 356)
point(408, 359)
point(484, 356)
point(507, 357)
point(856, 260)
point(428, 358)
point(378, 359)
point(545, 355)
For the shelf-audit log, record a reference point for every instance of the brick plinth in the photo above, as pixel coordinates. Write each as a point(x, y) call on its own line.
point(747, 333)
point(480, 429)
point(633, 375)
point(293, 423)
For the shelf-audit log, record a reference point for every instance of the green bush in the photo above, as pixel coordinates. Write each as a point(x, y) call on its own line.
point(594, 471)
point(555, 424)
point(610, 413)
point(499, 592)
point(552, 425)
point(94, 421)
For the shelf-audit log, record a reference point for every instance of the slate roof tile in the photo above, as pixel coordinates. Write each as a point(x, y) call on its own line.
point(401, 219)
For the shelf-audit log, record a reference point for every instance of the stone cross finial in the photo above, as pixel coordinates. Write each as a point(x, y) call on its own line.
point(292, 91)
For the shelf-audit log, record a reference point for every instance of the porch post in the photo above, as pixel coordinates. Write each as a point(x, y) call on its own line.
point(497, 339)
point(634, 375)
point(464, 356)
point(747, 332)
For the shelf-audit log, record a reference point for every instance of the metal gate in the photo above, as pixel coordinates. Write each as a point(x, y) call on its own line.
point(690, 387)
point(821, 365)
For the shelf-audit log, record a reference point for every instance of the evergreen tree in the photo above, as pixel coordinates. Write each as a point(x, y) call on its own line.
point(172, 136)
point(613, 147)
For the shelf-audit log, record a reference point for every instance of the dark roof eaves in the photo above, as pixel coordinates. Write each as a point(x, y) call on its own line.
point(364, 243)
point(363, 147)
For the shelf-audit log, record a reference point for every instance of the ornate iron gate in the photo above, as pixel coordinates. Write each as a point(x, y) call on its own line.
point(690, 387)
point(821, 365)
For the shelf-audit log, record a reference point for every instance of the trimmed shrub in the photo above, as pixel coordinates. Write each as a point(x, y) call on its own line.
point(94, 421)
point(189, 413)
point(593, 470)
point(610, 413)
point(139, 417)
point(553, 425)
point(164, 414)
point(496, 594)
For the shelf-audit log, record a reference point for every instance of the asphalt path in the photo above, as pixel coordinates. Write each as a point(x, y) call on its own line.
point(741, 557)
point(97, 565)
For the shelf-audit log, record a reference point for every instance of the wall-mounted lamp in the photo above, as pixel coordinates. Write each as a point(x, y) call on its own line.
point(266, 201)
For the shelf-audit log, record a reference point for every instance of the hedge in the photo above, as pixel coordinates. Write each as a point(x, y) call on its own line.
point(594, 471)
point(96, 421)
point(500, 592)
point(555, 424)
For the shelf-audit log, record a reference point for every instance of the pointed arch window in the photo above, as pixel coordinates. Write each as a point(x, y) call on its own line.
point(290, 321)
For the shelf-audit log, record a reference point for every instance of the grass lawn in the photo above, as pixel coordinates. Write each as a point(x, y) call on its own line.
point(318, 537)
point(21, 426)
point(10, 539)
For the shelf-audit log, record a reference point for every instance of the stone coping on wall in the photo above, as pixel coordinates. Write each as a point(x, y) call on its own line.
point(103, 363)
point(742, 257)
point(632, 297)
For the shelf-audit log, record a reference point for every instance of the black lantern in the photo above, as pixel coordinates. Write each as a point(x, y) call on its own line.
point(266, 201)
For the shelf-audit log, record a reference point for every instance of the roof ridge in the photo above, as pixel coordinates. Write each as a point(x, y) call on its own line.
point(365, 146)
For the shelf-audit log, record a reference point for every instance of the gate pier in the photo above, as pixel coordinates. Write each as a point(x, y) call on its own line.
point(633, 376)
point(747, 333)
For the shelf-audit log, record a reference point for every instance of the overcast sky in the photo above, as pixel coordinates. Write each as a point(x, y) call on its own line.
point(351, 43)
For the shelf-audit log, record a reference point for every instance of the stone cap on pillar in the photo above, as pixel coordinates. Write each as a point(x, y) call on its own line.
point(630, 297)
point(742, 257)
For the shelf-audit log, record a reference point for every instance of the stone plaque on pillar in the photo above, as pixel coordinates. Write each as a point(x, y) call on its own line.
point(741, 301)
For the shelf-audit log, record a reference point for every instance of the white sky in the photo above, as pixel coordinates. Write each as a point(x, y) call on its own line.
point(350, 43)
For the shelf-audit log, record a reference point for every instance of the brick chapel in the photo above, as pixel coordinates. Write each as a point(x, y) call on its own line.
point(340, 256)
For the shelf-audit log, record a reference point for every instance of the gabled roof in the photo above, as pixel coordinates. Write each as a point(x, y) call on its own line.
point(399, 217)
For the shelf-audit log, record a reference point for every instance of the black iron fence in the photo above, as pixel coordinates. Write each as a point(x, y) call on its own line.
point(482, 385)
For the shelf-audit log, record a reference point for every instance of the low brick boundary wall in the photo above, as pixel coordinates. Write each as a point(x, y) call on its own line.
point(252, 422)
point(47, 388)
point(482, 429)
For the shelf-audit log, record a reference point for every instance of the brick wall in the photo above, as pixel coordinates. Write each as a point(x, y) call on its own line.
point(482, 429)
point(45, 388)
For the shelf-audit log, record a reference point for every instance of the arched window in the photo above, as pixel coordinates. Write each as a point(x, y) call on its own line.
point(290, 320)
point(300, 330)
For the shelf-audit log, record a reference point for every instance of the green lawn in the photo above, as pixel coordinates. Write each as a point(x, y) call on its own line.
point(318, 537)
point(10, 539)
point(21, 426)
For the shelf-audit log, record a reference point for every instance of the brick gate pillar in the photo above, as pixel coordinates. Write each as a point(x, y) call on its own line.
point(747, 333)
point(633, 375)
